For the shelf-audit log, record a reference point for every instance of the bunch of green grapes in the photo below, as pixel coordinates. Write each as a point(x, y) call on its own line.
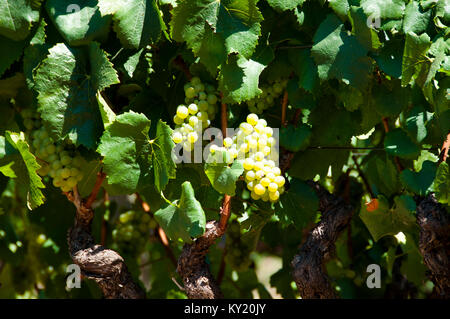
point(132, 230)
point(269, 94)
point(191, 120)
point(254, 143)
point(60, 160)
point(238, 252)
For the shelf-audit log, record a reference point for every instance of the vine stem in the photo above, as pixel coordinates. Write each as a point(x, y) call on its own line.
point(225, 210)
point(182, 65)
point(444, 150)
point(363, 177)
point(396, 159)
point(283, 109)
point(160, 234)
point(98, 184)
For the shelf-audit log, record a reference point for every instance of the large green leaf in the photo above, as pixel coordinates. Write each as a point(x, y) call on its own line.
point(339, 55)
point(222, 176)
point(183, 219)
point(10, 51)
point(213, 29)
point(300, 204)
point(16, 18)
point(398, 143)
point(381, 174)
point(136, 22)
point(390, 221)
point(366, 36)
point(442, 184)
point(78, 21)
point(415, 64)
point(67, 83)
point(416, 19)
point(16, 161)
point(163, 165)
point(295, 138)
point(126, 152)
point(419, 183)
point(239, 77)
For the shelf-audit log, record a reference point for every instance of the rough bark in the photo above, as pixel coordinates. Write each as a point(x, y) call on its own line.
point(193, 269)
point(309, 265)
point(105, 266)
point(434, 243)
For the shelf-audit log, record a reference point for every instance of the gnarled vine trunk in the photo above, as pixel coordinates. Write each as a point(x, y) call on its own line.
point(434, 243)
point(105, 266)
point(193, 269)
point(309, 265)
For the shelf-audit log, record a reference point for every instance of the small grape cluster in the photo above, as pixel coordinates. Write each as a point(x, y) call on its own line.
point(253, 142)
point(191, 120)
point(132, 230)
point(269, 94)
point(238, 251)
point(59, 160)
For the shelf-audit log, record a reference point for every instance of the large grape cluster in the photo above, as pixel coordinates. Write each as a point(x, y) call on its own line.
point(254, 144)
point(59, 160)
point(269, 94)
point(132, 230)
point(200, 109)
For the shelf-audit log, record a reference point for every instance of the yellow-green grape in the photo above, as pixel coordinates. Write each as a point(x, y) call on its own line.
point(202, 96)
point(212, 99)
point(204, 106)
point(248, 164)
point(250, 175)
point(213, 148)
point(227, 142)
point(193, 108)
point(190, 92)
point(259, 189)
point(192, 137)
point(272, 187)
point(177, 137)
point(255, 196)
point(274, 196)
point(259, 174)
point(265, 181)
point(182, 111)
point(193, 121)
point(177, 120)
point(279, 180)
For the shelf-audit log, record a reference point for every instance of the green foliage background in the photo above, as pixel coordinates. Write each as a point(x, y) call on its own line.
point(107, 77)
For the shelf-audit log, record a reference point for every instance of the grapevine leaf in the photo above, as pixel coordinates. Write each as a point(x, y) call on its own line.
point(415, 64)
point(79, 22)
point(67, 92)
point(126, 152)
point(284, 5)
point(384, 9)
point(89, 170)
point(398, 143)
point(223, 177)
point(239, 77)
point(108, 116)
point(304, 68)
point(339, 55)
point(131, 64)
point(416, 19)
point(340, 7)
point(16, 18)
point(10, 51)
point(163, 166)
point(136, 22)
point(300, 204)
point(365, 35)
point(442, 184)
point(213, 29)
point(389, 57)
point(295, 138)
point(183, 219)
point(385, 221)
point(419, 183)
point(16, 161)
